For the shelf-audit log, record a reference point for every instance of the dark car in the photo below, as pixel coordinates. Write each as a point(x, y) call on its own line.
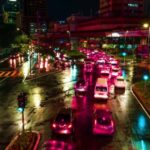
point(103, 123)
point(63, 123)
point(80, 86)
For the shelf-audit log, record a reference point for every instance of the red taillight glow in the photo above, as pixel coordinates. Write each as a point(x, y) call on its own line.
point(95, 121)
point(54, 125)
point(112, 123)
point(70, 126)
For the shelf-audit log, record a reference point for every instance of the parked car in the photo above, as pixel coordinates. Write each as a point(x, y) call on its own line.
point(119, 82)
point(63, 123)
point(103, 123)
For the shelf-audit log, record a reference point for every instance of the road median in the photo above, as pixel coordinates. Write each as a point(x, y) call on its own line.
point(142, 95)
point(25, 141)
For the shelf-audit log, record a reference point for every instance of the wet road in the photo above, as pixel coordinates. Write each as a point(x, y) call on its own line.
point(132, 125)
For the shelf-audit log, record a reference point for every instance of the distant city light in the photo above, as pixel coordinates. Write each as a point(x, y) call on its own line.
point(114, 34)
point(145, 77)
point(124, 54)
point(12, 0)
point(133, 5)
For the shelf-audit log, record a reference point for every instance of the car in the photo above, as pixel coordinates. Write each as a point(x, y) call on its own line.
point(105, 73)
point(101, 89)
point(53, 144)
point(63, 123)
point(67, 63)
point(116, 71)
point(119, 82)
point(81, 86)
point(103, 122)
point(88, 68)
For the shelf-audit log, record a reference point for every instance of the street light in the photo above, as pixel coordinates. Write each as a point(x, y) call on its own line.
point(69, 36)
point(147, 26)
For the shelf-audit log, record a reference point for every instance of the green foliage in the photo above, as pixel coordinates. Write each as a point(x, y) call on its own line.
point(45, 51)
point(21, 39)
point(146, 86)
point(74, 54)
point(21, 43)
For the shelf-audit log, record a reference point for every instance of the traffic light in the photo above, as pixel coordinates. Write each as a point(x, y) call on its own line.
point(21, 100)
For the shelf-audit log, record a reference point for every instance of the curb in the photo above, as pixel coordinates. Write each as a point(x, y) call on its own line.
point(15, 138)
point(138, 99)
point(42, 75)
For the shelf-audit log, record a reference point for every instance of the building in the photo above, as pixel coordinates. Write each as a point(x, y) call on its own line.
point(9, 9)
point(147, 7)
point(126, 8)
point(35, 15)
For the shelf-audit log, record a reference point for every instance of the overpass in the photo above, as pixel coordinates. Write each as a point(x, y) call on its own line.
point(97, 27)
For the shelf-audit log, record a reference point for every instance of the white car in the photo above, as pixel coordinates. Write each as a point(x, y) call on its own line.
point(116, 71)
point(119, 82)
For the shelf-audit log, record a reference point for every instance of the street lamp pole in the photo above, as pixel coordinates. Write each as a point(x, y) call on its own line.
point(148, 40)
point(30, 54)
point(69, 36)
point(147, 26)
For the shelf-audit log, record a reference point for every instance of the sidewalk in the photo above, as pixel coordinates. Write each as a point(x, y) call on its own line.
point(142, 97)
point(141, 92)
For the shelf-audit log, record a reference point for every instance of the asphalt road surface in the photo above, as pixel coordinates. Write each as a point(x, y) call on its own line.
point(48, 94)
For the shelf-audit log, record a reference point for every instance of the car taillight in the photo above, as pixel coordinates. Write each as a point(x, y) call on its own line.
point(54, 125)
point(112, 123)
point(70, 126)
point(95, 121)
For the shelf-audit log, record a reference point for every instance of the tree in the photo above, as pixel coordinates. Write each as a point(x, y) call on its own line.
point(21, 43)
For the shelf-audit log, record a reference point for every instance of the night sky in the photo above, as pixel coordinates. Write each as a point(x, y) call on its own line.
point(60, 9)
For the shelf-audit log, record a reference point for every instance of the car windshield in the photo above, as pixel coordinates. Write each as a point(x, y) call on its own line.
point(63, 118)
point(120, 79)
point(104, 120)
point(103, 117)
point(102, 89)
point(105, 74)
point(81, 83)
point(115, 70)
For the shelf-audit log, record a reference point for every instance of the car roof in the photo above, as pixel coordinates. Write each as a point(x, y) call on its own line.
point(101, 107)
point(65, 110)
point(120, 77)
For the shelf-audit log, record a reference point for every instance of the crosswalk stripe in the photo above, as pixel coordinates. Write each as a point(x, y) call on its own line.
point(1, 74)
point(10, 74)
point(14, 73)
point(7, 74)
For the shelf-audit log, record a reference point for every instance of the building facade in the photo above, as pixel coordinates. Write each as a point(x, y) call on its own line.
point(9, 10)
point(35, 15)
point(147, 7)
point(126, 8)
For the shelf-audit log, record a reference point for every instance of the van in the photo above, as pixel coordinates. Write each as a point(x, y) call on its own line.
point(101, 89)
